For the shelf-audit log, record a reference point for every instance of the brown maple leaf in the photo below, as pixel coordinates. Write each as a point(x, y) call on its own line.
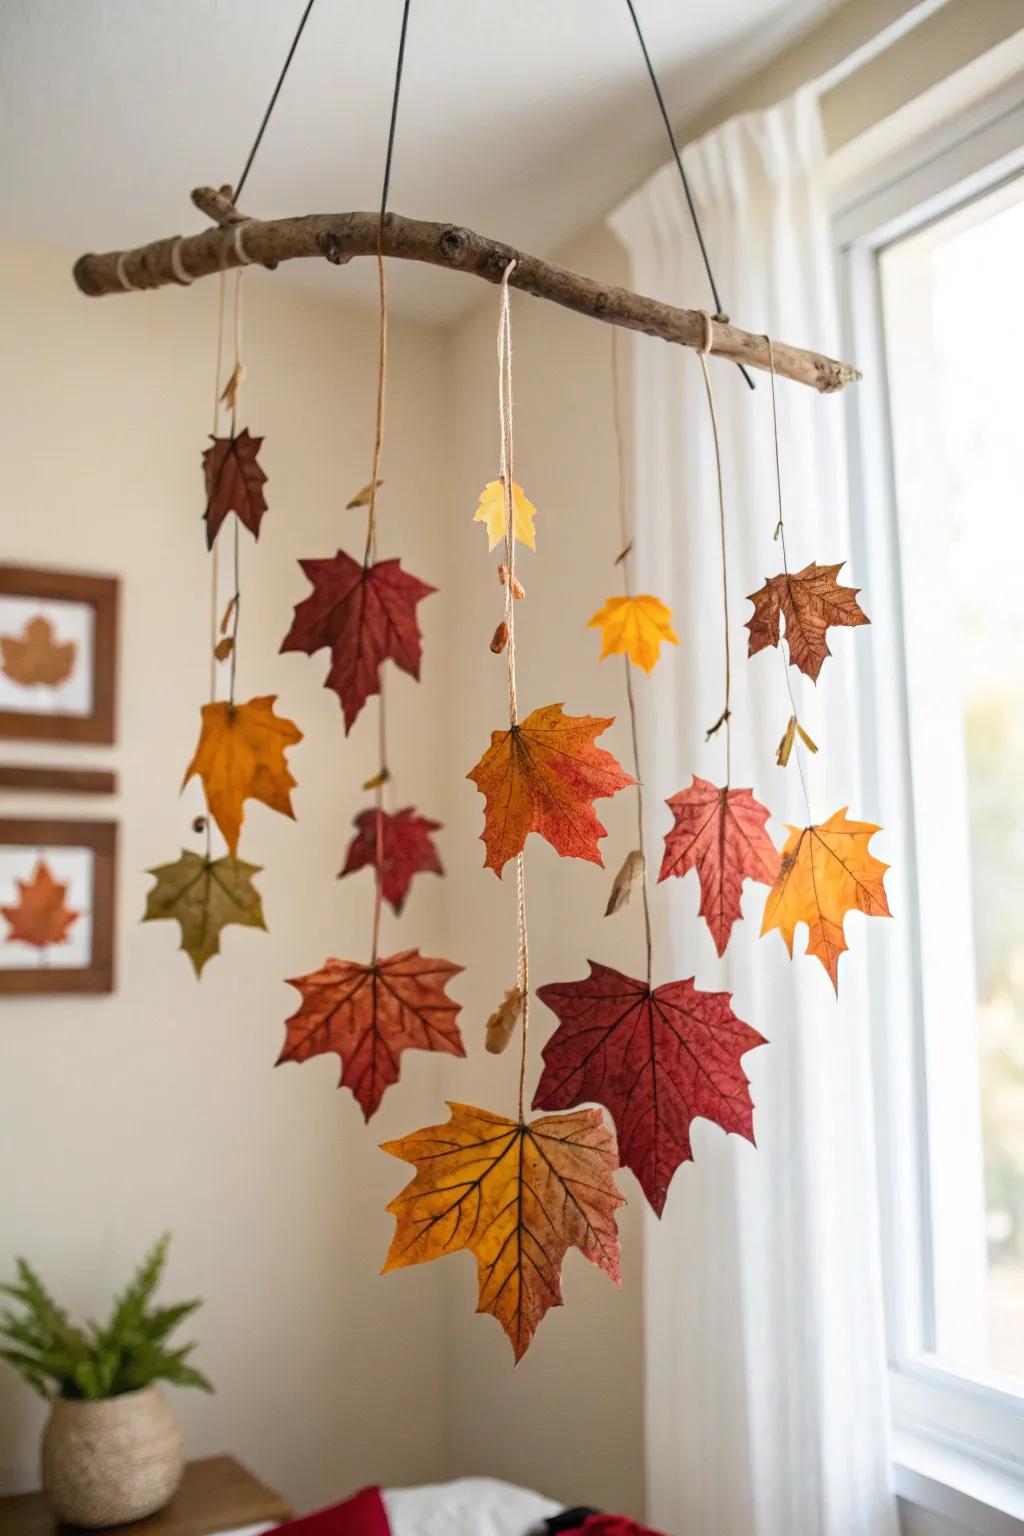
point(826, 871)
point(656, 1059)
point(518, 1197)
point(37, 657)
point(720, 833)
point(810, 601)
point(234, 483)
point(543, 775)
point(41, 916)
point(370, 1014)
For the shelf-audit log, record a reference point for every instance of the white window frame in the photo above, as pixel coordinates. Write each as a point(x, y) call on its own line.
point(935, 1410)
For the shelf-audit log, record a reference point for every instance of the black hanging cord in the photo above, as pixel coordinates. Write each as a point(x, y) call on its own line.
point(682, 173)
point(394, 116)
point(271, 104)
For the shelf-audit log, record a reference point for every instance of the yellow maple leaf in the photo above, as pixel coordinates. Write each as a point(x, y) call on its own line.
point(492, 512)
point(635, 625)
point(518, 1196)
point(240, 756)
point(826, 872)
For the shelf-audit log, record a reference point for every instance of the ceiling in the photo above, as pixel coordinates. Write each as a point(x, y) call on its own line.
point(525, 119)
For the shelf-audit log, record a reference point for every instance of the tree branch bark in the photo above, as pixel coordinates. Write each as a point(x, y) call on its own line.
point(337, 237)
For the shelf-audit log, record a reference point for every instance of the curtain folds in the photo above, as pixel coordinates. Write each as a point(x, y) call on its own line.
point(766, 1374)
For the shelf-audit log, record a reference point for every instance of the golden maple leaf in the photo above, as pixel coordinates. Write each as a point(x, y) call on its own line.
point(40, 917)
point(518, 1196)
point(37, 657)
point(826, 872)
point(636, 626)
point(492, 512)
point(240, 756)
point(203, 896)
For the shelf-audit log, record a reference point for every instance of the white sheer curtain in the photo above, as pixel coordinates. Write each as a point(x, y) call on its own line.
point(766, 1389)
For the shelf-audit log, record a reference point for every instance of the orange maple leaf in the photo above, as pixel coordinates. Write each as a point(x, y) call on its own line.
point(541, 776)
point(37, 657)
point(370, 1014)
point(40, 917)
point(240, 756)
point(826, 872)
point(810, 601)
point(518, 1196)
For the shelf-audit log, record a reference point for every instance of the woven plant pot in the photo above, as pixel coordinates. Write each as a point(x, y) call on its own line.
point(109, 1462)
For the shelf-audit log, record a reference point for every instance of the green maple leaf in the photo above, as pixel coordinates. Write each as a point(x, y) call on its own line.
point(203, 896)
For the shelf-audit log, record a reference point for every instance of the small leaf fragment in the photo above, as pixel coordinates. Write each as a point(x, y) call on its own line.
point(229, 613)
point(377, 779)
point(501, 1025)
point(625, 882)
point(229, 394)
point(222, 650)
point(786, 744)
point(518, 590)
point(808, 743)
point(499, 639)
point(362, 496)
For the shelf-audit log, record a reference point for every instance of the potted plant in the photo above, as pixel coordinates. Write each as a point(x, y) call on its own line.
point(112, 1449)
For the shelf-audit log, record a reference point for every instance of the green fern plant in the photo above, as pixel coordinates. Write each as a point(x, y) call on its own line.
point(57, 1358)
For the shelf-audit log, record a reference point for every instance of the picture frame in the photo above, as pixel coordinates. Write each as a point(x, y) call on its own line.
point(58, 655)
point(58, 884)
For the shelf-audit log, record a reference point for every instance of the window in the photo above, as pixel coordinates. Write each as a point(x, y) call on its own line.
point(932, 257)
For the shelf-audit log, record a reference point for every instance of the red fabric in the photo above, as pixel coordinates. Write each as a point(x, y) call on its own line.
point(613, 1525)
point(361, 1515)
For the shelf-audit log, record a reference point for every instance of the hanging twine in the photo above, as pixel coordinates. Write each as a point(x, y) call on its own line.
point(725, 718)
point(504, 348)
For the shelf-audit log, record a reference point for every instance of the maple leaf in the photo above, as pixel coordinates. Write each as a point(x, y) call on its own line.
point(719, 833)
point(370, 1014)
point(366, 615)
point(636, 626)
point(240, 756)
point(37, 657)
point(234, 483)
point(810, 601)
point(203, 896)
point(826, 872)
point(541, 776)
point(40, 917)
point(407, 849)
point(492, 512)
point(655, 1059)
point(518, 1197)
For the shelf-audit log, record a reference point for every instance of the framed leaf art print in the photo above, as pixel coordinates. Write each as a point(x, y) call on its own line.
point(58, 655)
point(57, 888)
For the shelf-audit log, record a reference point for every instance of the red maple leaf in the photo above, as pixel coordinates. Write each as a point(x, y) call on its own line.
point(407, 849)
point(234, 483)
point(719, 833)
point(365, 614)
point(655, 1059)
point(370, 1014)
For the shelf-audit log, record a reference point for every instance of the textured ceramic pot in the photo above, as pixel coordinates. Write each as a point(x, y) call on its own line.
point(109, 1462)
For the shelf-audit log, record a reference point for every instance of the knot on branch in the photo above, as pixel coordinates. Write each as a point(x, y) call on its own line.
point(453, 244)
point(330, 246)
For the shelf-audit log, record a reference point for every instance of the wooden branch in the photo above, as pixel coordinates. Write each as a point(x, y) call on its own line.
point(337, 237)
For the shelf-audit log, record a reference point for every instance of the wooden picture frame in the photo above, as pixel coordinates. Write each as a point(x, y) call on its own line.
point(50, 836)
point(97, 723)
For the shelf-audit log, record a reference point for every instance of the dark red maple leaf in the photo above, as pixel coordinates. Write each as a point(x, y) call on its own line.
point(370, 1014)
point(234, 483)
point(365, 614)
point(719, 833)
point(656, 1060)
point(407, 849)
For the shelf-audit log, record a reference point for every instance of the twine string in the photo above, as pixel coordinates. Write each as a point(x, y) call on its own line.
point(725, 718)
point(237, 375)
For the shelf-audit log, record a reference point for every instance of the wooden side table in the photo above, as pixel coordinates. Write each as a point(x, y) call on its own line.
point(216, 1495)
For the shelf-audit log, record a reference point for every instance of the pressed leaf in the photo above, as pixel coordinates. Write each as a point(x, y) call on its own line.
point(365, 615)
point(362, 496)
point(826, 872)
point(222, 650)
point(407, 846)
point(241, 756)
point(635, 626)
point(655, 1059)
point(502, 1022)
point(234, 483)
point(37, 657)
point(370, 1014)
point(542, 776)
point(518, 1197)
point(811, 602)
point(491, 511)
point(40, 916)
point(720, 833)
point(230, 392)
point(628, 878)
point(785, 747)
point(203, 896)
